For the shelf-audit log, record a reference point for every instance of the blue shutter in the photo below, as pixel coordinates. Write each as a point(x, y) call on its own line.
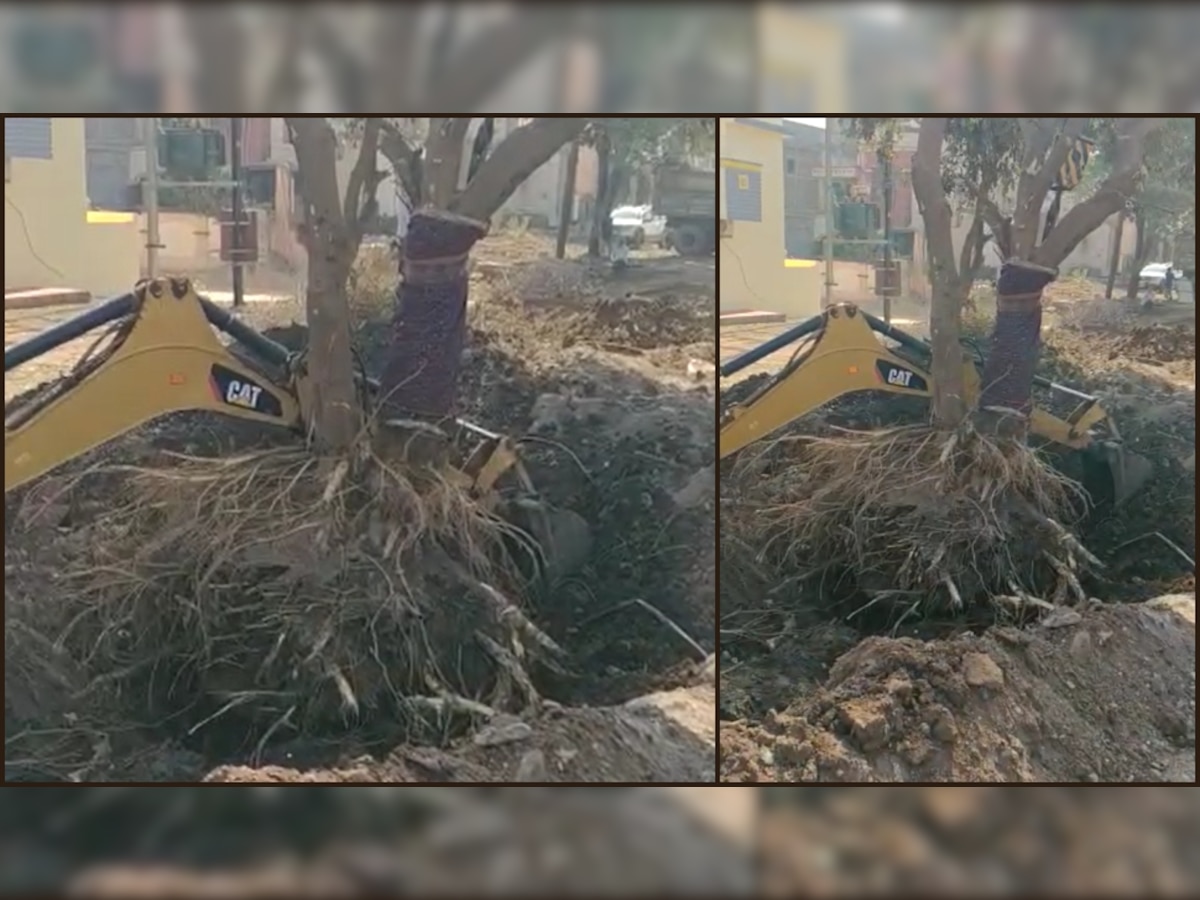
point(28, 138)
point(743, 195)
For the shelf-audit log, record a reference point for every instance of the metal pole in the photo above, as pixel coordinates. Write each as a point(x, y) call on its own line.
point(829, 217)
point(887, 237)
point(235, 169)
point(150, 195)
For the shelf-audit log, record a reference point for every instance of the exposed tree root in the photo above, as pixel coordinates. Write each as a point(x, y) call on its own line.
point(293, 594)
point(918, 519)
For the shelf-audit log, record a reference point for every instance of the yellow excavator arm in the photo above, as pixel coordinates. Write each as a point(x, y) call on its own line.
point(840, 352)
point(165, 357)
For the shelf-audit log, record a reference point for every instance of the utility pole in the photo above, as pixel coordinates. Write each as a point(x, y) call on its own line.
point(827, 196)
point(150, 195)
point(888, 284)
point(235, 167)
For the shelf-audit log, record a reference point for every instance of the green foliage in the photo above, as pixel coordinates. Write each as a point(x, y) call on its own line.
point(650, 141)
point(1166, 204)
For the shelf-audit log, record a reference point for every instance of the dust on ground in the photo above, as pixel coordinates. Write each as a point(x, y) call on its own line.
point(610, 390)
point(1101, 693)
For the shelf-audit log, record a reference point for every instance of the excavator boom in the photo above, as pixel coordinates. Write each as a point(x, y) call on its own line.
point(840, 352)
point(165, 357)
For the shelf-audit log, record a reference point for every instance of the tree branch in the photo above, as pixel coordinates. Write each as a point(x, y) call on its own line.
point(1110, 197)
point(518, 156)
point(406, 161)
point(1000, 224)
point(1045, 152)
point(364, 178)
point(444, 153)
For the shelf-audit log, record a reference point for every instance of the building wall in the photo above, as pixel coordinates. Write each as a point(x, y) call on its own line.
point(804, 62)
point(48, 239)
point(754, 270)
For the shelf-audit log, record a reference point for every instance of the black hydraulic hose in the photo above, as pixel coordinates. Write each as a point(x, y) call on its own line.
point(266, 349)
point(75, 327)
point(917, 344)
point(762, 351)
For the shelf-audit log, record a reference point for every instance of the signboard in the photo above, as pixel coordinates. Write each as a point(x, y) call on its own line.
point(836, 172)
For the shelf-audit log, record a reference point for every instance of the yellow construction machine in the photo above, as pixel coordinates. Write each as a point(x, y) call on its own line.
point(161, 355)
point(844, 350)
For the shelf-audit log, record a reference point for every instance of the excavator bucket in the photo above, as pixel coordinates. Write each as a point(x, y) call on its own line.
point(1113, 474)
point(564, 537)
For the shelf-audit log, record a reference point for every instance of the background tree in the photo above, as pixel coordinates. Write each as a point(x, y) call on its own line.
point(629, 150)
point(1003, 170)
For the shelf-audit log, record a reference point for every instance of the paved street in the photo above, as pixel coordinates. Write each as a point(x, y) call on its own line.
point(20, 325)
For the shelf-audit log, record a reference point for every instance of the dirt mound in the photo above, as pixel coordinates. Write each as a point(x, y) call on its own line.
point(1103, 695)
point(1160, 343)
point(659, 738)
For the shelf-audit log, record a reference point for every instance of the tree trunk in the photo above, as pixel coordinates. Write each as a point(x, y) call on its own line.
point(566, 203)
point(1114, 258)
point(332, 244)
point(945, 334)
point(420, 376)
point(1140, 255)
point(1007, 396)
point(945, 314)
point(336, 417)
point(601, 212)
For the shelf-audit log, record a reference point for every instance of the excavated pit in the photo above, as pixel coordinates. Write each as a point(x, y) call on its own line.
point(1099, 692)
point(620, 436)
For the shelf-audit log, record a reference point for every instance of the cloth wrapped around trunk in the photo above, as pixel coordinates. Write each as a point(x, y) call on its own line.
point(420, 376)
point(1016, 339)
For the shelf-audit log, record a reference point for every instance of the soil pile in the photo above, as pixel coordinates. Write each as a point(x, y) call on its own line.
point(1106, 694)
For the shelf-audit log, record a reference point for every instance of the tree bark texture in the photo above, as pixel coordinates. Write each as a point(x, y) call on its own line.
point(1016, 340)
point(420, 376)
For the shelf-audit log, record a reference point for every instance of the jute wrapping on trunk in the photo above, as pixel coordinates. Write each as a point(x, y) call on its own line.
point(430, 325)
point(1013, 355)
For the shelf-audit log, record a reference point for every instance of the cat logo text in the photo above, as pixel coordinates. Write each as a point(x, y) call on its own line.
point(239, 393)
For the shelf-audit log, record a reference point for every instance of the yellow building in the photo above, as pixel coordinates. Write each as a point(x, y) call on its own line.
point(755, 273)
point(51, 238)
point(802, 62)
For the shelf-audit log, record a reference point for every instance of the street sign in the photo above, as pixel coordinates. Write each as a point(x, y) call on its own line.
point(836, 172)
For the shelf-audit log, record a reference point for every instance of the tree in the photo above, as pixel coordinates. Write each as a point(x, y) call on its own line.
point(428, 157)
point(1165, 206)
point(632, 148)
point(979, 163)
point(331, 233)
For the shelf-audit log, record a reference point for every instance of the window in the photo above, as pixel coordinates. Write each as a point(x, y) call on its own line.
point(791, 165)
point(743, 194)
point(28, 138)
